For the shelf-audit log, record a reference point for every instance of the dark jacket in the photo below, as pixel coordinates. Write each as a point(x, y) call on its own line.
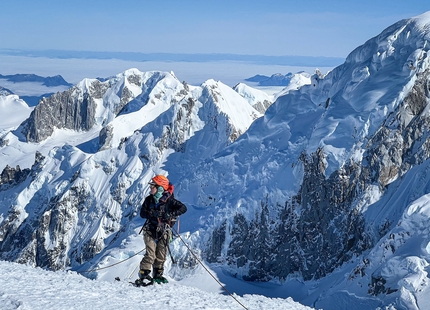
point(165, 211)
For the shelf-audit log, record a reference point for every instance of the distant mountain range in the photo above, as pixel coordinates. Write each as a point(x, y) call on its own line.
point(49, 81)
point(276, 79)
point(32, 100)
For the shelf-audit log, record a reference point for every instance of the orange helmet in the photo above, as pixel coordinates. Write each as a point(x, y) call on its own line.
point(161, 180)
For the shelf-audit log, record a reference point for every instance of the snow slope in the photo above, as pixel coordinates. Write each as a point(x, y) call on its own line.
point(13, 111)
point(25, 287)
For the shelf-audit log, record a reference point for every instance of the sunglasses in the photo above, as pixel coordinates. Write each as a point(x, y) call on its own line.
point(152, 185)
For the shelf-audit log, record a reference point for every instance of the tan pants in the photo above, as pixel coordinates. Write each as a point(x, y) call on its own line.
point(156, 251)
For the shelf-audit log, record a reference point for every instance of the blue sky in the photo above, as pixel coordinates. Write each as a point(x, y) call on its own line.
point(283, 27)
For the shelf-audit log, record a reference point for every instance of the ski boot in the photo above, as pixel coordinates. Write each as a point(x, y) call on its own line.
point(144, 278)
point(158, 276)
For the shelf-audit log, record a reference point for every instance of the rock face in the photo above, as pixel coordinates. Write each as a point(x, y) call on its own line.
point(62, 110)
point(12, 176)
point(75, 108)
point(316, 232)
point(71, 109)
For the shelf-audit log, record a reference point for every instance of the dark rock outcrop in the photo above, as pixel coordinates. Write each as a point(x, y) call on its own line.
point(61, 110)
point(12, 176)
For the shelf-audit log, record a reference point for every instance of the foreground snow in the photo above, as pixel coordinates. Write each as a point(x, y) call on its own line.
point(25, 287)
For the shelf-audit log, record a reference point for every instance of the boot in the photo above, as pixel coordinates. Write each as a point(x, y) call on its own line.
point(144, 278)
point(144, 274)
point(158, 275)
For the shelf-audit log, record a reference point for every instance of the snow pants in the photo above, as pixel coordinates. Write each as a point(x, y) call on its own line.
point(156, 250)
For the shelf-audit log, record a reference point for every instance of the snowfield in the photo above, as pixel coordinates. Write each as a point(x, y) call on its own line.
point(24, 287)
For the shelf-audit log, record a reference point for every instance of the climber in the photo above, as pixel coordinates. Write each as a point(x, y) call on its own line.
point(161, 210)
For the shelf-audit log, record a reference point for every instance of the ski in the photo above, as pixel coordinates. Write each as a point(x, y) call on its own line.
point(139, 282)
point(146, 282)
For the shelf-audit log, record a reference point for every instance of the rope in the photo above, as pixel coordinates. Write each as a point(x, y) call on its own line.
point(207, 270)
point(96, 269)
point(133, 272)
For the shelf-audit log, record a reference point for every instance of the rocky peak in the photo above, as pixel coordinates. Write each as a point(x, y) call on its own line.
point(12, 176)
point(61, 110)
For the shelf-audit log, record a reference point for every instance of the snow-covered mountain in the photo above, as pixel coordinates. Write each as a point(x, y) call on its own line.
point(92, 150)
point(309, 188)
point(278, 79)
point(325, 195)
point(13, 111)
point(257, 99)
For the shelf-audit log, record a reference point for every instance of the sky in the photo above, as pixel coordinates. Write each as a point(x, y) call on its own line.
point(330, 28)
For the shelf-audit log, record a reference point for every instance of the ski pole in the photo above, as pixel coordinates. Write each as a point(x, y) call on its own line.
point(168, 249)
point(171, 256)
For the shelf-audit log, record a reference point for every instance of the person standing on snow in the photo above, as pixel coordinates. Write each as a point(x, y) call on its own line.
point(160, 209)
